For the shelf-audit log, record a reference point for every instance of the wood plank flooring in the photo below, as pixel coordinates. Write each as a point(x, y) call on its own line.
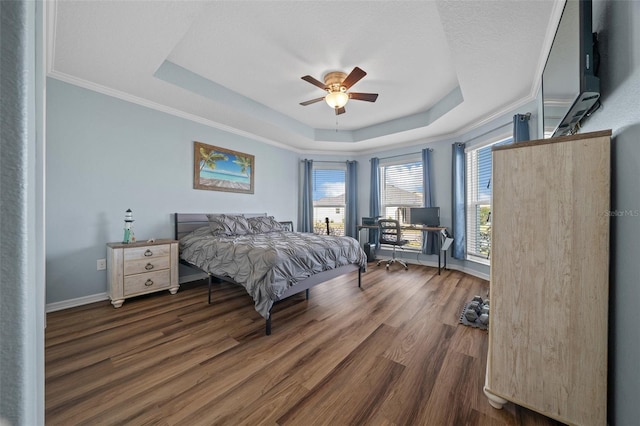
point(390, 353)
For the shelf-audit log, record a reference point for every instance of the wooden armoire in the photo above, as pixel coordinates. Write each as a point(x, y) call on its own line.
point(550, 277)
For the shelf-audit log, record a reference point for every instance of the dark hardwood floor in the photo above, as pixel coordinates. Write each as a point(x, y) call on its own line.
point(390, 353)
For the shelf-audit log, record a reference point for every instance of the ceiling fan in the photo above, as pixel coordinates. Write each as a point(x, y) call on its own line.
point(336, 85)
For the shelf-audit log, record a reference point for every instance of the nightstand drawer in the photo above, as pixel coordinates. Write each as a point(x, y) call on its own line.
point(146, 252)
point(143, 283)
point(150, 264)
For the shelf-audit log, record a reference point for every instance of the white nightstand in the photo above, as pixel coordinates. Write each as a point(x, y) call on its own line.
point(141, 268)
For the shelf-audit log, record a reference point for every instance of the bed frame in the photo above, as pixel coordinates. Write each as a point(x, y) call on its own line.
point(185, 223)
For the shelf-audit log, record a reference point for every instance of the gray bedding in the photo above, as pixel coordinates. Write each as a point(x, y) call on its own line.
point(266, 264)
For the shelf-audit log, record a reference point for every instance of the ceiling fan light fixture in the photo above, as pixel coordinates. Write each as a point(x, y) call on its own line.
point(337, 99)
point(336, 85)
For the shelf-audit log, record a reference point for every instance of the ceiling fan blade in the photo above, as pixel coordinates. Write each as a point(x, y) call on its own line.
point(312, 101)
point(340, 111)
point(369, 97)
point(353, 77)
point(313, 81)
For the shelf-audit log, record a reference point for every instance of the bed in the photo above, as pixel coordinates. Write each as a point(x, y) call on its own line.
point(258, 253)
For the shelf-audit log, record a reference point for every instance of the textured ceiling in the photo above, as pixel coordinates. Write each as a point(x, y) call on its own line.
point(440, 67)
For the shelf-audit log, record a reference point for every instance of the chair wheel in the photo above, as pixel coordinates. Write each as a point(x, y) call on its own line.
point(406, 268)
point(387, 267)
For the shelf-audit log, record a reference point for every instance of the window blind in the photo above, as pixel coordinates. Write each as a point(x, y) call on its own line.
point(479, 169)
point(329, 200)
point(401, 188)
point(402, 185)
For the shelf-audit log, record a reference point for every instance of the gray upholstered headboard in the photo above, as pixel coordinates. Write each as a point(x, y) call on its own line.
point(188, 222)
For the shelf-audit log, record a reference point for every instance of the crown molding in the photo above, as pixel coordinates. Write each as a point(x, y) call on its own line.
point(162, 108)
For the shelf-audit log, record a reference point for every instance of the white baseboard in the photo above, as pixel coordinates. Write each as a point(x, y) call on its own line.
point(72, 303)
point(468, 271)
point(434, 264)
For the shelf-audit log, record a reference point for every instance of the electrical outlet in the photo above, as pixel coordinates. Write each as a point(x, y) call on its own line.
point(102, 264)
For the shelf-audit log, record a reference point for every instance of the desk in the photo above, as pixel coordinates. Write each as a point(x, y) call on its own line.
point(417, 228)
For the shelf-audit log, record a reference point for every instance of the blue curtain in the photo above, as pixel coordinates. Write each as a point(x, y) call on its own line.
point(351, 213)
point(374, 198)
point(458, 227)
point(306, 208)
point(429, 239)
point(521, 127)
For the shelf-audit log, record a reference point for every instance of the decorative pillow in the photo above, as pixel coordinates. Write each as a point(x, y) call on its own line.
point(216, 225)
point(229, 225)
point(264, 224)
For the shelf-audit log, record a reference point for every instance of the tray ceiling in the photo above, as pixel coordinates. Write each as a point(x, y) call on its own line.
point(440, 67)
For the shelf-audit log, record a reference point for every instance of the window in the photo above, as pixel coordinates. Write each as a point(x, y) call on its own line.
point(400, 189)
point(479, 202)
point(329, 199)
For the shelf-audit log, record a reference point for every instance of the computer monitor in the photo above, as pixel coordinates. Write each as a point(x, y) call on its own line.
point(426, 216)
point(369, 221)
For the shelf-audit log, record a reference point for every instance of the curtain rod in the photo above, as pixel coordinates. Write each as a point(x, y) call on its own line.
point(327, 161)
point(402, 155)
point(526, 116)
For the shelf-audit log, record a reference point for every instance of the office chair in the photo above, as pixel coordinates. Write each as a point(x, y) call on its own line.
point(390, 234)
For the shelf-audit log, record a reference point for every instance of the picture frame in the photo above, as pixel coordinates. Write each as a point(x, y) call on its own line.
point(221, 169)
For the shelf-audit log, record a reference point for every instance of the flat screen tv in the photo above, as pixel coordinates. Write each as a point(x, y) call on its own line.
point(429, 216)
point(570, 86)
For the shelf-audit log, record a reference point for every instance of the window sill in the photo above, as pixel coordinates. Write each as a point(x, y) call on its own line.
point(400, 249)
point(480, 260)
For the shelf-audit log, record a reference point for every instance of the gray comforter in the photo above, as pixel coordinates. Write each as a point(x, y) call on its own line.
point(267, 264)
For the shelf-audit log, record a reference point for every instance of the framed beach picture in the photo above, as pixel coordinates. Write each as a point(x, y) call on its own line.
point(220, 169)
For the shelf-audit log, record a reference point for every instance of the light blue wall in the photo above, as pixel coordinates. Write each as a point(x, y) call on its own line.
point(618, 26)
point(105, 155)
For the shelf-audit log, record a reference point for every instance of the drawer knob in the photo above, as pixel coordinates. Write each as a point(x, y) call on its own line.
point(148, 253)
point(148, 267)
point(149, 283)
